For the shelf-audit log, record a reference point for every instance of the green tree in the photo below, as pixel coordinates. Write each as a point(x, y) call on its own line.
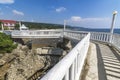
point(17, 26)
point(6, 43)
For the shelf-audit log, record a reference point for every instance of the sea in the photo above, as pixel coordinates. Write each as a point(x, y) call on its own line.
point(97, 30)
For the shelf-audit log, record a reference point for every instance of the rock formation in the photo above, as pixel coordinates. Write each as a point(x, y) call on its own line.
point(29, 64)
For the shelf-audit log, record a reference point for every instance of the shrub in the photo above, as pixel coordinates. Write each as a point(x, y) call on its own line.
point(0, 28)
point(6, 43)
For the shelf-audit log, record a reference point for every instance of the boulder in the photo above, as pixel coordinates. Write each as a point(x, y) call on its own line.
point(2, 62)
point(65, 45)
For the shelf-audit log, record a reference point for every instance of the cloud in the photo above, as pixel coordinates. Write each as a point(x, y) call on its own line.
point(6, 1)
point(95, 19)
point(79, 19)
point(18, 13)
point(76, 18)
point(60, 9)
point(89, 22)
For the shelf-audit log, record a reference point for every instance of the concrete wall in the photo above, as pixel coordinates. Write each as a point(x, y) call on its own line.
point(45, 42)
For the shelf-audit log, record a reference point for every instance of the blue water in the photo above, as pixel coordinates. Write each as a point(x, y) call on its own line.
point(97, 30)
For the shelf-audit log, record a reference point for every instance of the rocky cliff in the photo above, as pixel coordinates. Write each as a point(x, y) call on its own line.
point(26, 64)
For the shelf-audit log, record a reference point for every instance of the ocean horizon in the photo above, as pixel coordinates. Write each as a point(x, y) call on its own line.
point(96, 30)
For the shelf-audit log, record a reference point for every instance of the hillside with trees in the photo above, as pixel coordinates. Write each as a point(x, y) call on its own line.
point(33, 25)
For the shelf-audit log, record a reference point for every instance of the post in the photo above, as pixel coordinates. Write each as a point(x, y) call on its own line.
point(64, 25)
point(112, 25)
point(72, 75)
point(2, 27)
point(20, 25)
point(64, 28)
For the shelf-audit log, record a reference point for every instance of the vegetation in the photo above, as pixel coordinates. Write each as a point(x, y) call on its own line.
point(0, 28)
point(17, 26)
point(6, 43)
point(33, 25)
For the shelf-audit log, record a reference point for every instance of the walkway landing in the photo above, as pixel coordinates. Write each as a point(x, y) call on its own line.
point(103, 63)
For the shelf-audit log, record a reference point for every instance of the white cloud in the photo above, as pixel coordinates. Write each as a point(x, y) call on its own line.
point(60, 9)
point(89, 22)
point(76, 18)
point(6, 1)
point(79, 19)
point(18, 12)
point(95, 19)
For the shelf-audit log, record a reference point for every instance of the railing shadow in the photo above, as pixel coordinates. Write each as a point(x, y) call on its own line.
point(115, 53)
point(108, 63)
point(101, 68)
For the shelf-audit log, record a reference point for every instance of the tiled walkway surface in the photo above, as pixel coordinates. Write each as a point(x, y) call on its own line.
point(103, 63)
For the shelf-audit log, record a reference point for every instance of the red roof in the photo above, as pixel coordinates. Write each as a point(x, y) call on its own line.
point(7, 21)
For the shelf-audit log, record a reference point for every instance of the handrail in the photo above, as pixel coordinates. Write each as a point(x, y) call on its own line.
point(99, 36)
point(106, 37)
point(37, 34)
point(112, 39)
point(75, 34)
point(116, 40)
point(70, 67)
point(71, 64)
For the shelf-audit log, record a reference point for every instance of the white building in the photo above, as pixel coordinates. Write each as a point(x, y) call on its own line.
point(23, 27)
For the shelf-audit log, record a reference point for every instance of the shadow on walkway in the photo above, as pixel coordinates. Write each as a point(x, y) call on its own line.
point(108, 62)
point(101, 68)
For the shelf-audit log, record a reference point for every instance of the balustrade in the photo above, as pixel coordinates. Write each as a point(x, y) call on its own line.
point(70, 67)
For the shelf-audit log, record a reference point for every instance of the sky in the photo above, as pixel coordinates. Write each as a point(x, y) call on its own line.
point(82, 13)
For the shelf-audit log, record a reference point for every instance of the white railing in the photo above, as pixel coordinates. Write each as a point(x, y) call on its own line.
point(75, 34)
point(70, 67)
point(100, 36)
point(115, 41)
point(37, 34)
point(112, 39)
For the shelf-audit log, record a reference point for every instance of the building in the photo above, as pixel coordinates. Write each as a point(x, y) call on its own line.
point(8, 24)
point(23, 27)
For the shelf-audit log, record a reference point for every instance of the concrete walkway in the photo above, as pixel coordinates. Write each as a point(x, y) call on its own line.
point(103, 63)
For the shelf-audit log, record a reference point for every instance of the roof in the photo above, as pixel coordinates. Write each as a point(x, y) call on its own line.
point(7, 21)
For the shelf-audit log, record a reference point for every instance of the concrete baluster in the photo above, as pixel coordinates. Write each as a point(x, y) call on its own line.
point(72, 72)
point(66, 77)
